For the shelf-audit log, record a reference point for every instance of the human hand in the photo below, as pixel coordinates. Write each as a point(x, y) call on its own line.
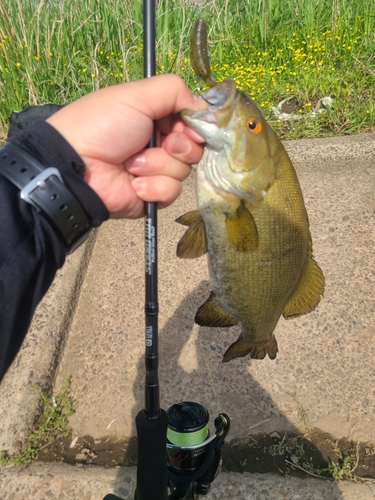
point(110, 129)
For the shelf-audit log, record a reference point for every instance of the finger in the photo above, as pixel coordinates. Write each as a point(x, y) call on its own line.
point(161, 189)
point(173, 159)
point(175, 124)
point(183, 147)
point(159, 96)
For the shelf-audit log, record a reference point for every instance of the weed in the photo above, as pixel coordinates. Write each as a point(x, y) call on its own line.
point(345, 466)
point(51, 425)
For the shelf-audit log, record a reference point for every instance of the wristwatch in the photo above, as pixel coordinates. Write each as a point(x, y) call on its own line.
point(45, 190)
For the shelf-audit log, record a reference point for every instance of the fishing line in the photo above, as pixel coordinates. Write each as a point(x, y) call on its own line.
point(187, 438)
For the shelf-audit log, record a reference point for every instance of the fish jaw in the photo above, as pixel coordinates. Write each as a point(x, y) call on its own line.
point(237, 160)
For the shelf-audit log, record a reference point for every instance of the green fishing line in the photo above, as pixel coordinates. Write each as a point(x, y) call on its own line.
point(187, 438)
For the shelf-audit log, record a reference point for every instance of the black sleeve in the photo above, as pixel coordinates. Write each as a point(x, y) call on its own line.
point(31, 251)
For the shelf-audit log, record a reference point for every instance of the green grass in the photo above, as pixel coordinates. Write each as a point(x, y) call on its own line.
point(51, 425)
point(55, 51)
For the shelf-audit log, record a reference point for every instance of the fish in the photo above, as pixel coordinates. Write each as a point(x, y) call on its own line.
point(251, 222)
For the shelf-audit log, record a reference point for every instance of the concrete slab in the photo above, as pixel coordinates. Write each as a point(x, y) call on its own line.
point(40, 353)
point(43, 482)
point(324, 370)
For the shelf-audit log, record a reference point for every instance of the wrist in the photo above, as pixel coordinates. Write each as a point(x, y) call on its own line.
point(44, 189)
point(49, 147)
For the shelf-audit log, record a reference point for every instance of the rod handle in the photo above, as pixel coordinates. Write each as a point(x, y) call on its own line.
point(152, 479)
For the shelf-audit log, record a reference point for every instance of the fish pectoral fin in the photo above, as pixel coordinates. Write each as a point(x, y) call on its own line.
point(189, 218)
point(242, 231)
point(257, 350)
point(193, 244)
point(309, 291)
point(212, 314)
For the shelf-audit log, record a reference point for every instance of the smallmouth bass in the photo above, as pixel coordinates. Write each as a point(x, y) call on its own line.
point(251, 220)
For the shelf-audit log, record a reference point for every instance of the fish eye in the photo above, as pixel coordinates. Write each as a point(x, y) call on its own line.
point(254, 125)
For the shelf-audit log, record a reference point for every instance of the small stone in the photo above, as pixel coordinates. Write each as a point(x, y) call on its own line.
point(294, 459)
point(275, 435)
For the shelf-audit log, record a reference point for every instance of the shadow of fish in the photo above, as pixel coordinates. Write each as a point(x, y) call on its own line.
point(251, 219)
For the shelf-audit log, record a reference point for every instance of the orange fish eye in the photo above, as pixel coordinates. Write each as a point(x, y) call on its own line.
point(254, 125)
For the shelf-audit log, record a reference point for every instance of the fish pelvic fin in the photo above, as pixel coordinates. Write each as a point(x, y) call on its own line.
point(241, 230)
point(193, 243)
point(309, 292)
point(212, 314)
point(257, 350)
point(189, 218)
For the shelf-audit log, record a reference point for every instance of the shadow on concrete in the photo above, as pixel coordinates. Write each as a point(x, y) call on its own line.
point(193, 372)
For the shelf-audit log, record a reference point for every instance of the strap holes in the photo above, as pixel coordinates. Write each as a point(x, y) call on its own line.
point(23, 170)
point(54, 197)
point(75, 226)
point(70, 217)
point(13, 162)
point(63, 208)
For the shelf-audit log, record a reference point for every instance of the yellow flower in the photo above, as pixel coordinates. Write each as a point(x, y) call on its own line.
point(93, 74)
point(18, 64)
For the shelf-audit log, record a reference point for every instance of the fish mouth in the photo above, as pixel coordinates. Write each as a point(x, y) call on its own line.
point(219, 97)
point(205, 123)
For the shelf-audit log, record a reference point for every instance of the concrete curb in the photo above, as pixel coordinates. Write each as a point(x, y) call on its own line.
point(39, 356)
point(333, 149)
point(42, 482)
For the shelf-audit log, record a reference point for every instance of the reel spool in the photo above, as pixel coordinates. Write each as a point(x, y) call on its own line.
point(186, 435)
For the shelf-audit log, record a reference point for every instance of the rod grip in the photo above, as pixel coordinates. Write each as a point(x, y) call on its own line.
point(152, 479)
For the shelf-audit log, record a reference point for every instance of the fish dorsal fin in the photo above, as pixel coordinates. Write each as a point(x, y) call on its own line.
point(241, 230)
point(212, 314)
point(189, 218)
point(309, 291)
point(193, 243)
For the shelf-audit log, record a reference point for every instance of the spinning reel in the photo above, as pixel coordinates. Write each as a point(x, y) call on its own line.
point(193, 455)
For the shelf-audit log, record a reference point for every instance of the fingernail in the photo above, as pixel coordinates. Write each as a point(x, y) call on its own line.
point(137, 160)
point(199, 102)
point(139, 186)
point(181, 145)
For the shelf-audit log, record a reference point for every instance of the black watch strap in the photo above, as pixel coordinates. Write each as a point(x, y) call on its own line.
point(44, 188)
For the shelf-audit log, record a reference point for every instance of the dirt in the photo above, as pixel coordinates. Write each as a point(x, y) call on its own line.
point(287, 454)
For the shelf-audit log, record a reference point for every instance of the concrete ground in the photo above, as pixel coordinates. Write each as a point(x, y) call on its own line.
point(59, 481)
point(323, 377)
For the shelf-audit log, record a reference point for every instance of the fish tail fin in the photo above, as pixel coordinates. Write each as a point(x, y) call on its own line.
point(257, 350)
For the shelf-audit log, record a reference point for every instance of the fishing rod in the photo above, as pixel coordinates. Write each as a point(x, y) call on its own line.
point(176, 452)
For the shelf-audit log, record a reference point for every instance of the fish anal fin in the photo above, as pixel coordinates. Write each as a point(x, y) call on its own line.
point(257, 350)
point(193, 243)
point(309, 292)
point(212, 314)
point(189, 218)
point(241, 230)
